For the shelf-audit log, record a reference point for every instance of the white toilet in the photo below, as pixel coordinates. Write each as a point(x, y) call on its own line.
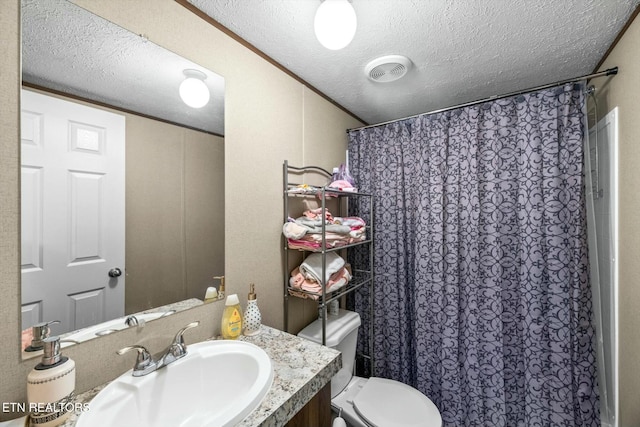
point(373, 402)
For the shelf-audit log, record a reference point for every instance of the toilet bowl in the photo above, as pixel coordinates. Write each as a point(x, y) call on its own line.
point(372, 402)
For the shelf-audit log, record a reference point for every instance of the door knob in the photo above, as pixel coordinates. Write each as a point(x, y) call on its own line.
point(115, 272)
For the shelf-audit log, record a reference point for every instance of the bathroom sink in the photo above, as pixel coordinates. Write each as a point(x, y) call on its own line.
point(109, 327)
point(217, 384)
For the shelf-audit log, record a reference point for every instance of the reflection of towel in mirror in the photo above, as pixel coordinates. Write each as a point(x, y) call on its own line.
point(311, 267)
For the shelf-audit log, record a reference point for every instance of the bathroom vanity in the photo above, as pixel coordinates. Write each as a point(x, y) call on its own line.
point(300, 392)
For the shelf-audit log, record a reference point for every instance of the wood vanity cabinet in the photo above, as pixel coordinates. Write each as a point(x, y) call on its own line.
point(316, 413)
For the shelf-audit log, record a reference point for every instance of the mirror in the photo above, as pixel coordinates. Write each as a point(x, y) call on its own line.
point(93, 250)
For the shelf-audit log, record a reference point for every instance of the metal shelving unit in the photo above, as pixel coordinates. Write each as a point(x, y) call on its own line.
point(362, 275)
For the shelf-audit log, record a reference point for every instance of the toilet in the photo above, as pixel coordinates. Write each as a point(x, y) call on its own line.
point(372, 402)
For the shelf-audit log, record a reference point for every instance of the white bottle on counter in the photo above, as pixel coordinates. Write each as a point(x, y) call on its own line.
point(51, 386)
point(252, 316)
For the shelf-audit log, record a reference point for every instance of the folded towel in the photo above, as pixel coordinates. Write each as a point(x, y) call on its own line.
point(331, 228)
point(318, 214)
point(293, 230)
point(298, 229)
point(312, 266)
point(352, 221)
point(337, 280)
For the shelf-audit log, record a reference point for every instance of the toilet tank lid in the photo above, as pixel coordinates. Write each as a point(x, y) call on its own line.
point(338, 327)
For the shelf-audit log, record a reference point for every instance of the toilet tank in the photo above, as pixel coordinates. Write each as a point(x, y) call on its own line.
point(341, 334)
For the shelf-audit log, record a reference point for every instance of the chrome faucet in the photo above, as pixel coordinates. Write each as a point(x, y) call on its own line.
point(145, 363)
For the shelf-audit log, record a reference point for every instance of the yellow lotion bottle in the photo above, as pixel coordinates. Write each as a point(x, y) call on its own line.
point(231, 318)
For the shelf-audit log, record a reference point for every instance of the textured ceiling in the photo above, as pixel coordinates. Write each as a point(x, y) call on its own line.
point(462, 50)
point(67, 48)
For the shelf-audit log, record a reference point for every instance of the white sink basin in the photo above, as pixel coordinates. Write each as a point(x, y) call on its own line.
point(109, 326)
point(217, 384)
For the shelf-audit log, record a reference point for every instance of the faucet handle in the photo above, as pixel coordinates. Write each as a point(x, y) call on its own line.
point(144, 361)
point(178, 348)
point(179, 339)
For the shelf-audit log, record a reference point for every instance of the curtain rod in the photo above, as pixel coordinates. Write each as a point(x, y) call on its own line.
point(608, 72)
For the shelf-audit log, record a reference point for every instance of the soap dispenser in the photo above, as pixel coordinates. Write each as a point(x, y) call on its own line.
point(51, 386)
point(252, 317)
point(231, 326)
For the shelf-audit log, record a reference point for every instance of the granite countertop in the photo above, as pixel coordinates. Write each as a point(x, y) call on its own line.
point(301, 368)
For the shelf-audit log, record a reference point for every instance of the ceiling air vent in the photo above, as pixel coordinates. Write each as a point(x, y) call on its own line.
point(388, 68)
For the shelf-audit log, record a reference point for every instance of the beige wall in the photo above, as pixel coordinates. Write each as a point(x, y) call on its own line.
point(13, 386)
point(623, 91)
point(269, 117)
point(175, 213)
point(204, 211)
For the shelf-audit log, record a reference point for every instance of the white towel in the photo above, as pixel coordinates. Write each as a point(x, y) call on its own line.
point(293, 230)
point(311, 268)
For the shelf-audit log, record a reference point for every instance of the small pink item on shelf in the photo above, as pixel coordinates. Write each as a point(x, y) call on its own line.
point(343, 185)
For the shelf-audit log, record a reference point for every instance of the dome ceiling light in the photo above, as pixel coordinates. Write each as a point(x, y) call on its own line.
point(193, 91)
point(335, 23)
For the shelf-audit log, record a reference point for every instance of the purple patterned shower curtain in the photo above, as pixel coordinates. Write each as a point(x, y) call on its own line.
point(482, 296)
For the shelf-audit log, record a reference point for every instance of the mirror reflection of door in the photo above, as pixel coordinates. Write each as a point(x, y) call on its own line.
point(73, 213)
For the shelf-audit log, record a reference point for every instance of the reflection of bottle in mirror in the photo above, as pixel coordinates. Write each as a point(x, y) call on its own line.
point(211, 294)
point(221, 287)
point(50, 386)
point(252, 317)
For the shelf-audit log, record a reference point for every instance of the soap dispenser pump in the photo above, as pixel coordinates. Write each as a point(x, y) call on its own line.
point(51, 386)
point(252, 317)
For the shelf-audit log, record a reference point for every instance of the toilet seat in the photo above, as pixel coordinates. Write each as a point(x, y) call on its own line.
point(387, 403)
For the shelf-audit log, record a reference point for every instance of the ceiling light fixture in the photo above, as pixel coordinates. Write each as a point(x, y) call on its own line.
point(335, 23)
point(193, 91)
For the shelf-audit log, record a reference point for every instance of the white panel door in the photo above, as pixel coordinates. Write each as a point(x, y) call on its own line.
point(73, 217)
